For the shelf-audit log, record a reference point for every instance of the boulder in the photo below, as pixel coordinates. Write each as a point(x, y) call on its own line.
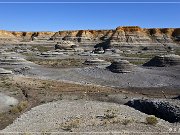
point(162, 109)
point(165, 60)
point(121, 66)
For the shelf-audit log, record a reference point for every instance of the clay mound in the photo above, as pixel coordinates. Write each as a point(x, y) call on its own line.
point(121, 66)
point(165, 60)
point(96, 61)
point(4, 71)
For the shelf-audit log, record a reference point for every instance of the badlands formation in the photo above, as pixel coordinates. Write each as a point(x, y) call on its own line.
point(120, 81)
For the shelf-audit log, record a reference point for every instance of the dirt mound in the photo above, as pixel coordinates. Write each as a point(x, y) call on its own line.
point(84, 116)
point(164, 60)
point(121, 66)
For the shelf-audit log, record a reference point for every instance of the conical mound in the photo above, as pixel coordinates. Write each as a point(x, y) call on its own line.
point(121, 66)
point(165, 60)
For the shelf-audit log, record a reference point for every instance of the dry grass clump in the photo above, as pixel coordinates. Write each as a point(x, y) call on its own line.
point(152, 120)
point(5, 82)
point(70, 124)
point(110, 113)
point(126, 121)
point(111, 117)
point(20, 107)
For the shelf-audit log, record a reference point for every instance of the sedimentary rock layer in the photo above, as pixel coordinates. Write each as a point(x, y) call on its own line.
point(120, 35)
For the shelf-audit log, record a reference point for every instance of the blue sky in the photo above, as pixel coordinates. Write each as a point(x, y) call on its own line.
point(55, 17)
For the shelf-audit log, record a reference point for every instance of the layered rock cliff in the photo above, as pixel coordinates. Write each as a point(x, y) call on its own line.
point(119, 36)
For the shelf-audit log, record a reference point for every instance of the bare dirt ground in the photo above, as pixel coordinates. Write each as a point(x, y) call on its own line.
point(82, 117)
point(37, 92)
point(69, 83)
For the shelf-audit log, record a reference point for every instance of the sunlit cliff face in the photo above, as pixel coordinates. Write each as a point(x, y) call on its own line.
point(121, 34)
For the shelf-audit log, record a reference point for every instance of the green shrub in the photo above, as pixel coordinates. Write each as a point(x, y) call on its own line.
point(152, 120)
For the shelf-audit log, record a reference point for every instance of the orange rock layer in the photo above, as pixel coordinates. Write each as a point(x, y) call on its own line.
point(118, 33)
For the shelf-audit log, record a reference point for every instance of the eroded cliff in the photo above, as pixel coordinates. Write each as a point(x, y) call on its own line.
point(118, 36)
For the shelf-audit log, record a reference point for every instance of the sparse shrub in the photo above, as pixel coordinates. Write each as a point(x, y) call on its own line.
point(152, 120)
point(14, 110)
point(7, 84)
point(70, 124)
point(1, 114)
point(20, 107)
point(110, 113)
point(126, 121)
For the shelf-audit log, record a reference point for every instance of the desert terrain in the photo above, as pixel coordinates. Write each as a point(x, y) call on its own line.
point(120, 81)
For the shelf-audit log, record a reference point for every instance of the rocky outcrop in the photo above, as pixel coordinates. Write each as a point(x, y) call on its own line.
point(6, 60)
point(25, 36)
point(64, 45)
point(6, 34)
point(128, 35)
point(33, 36)
point(121, 66)
point(164, 60)
point(161, 109)
point(82, 35)
point(103, 45)
point(4, 71)
point(131, 35)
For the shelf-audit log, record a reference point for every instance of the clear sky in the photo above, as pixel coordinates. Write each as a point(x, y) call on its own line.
point(55, 17)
